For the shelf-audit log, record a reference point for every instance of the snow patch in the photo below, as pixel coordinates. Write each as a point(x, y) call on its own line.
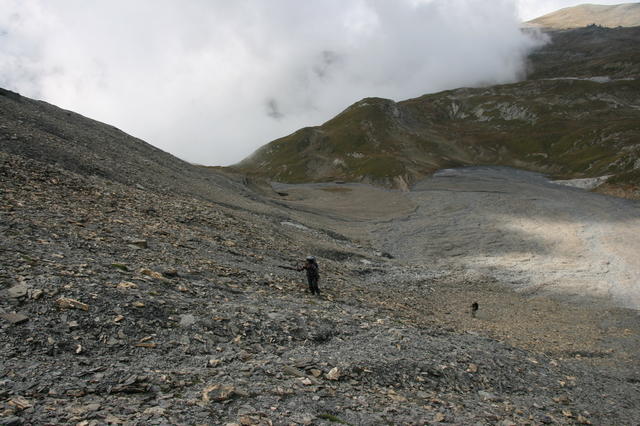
point(295, 225)
point(586, 183)
point(338, 162)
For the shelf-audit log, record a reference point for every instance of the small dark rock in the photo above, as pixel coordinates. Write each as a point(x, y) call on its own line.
point(170, 273)
point(11, 421)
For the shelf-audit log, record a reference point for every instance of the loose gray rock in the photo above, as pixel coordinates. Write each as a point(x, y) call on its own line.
point(187, 320)
point(14, 318)
point(18, 291)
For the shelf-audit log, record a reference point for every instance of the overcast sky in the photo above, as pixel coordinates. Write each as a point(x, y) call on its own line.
point(212, 80)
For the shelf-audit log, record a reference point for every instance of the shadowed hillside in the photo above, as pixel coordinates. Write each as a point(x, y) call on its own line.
point(43, 132)
point(588, 52)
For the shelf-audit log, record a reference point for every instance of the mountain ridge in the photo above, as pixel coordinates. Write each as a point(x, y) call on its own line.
point(531, 124)
point(611, 16)
point(43, 132)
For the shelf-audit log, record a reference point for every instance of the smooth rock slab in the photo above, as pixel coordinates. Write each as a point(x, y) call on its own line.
point(18, 291)
point(14, 318)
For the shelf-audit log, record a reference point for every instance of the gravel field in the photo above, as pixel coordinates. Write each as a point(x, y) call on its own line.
point(136, 289)
point(524, 231)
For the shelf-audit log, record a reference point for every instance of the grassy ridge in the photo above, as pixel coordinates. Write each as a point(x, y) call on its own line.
point(567, 127)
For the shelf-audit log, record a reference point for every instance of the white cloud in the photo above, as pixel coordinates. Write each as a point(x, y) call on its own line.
point(211, 81)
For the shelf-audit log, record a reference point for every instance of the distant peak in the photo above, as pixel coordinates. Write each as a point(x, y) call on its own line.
point(611, 16)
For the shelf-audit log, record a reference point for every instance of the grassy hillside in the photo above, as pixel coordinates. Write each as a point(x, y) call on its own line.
point(562, 121)
point(588, 52)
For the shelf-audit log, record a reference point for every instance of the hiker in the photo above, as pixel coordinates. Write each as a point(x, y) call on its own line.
point(311, 266)
point(474, 309)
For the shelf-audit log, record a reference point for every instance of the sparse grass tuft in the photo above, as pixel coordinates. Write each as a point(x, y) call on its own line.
point(120, 266)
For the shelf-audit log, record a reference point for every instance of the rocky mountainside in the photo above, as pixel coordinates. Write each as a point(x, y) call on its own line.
point(591, 52)
point(611, 16)
point(64, 138)
point(164, 294)
point(576, 116)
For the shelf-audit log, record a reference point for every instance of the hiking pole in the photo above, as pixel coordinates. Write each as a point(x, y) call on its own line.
point(288, 267)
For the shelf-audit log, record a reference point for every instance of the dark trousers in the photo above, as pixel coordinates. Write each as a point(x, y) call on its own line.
point(313, 285)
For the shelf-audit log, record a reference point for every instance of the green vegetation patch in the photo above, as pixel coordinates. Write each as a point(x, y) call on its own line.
point(120, 266)
point(376, 167)
point(569, 127)
point(630, 178)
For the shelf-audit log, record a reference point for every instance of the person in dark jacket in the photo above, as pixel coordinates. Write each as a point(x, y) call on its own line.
point(313, 274)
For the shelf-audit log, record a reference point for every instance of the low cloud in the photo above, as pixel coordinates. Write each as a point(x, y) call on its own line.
point(211, 81)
